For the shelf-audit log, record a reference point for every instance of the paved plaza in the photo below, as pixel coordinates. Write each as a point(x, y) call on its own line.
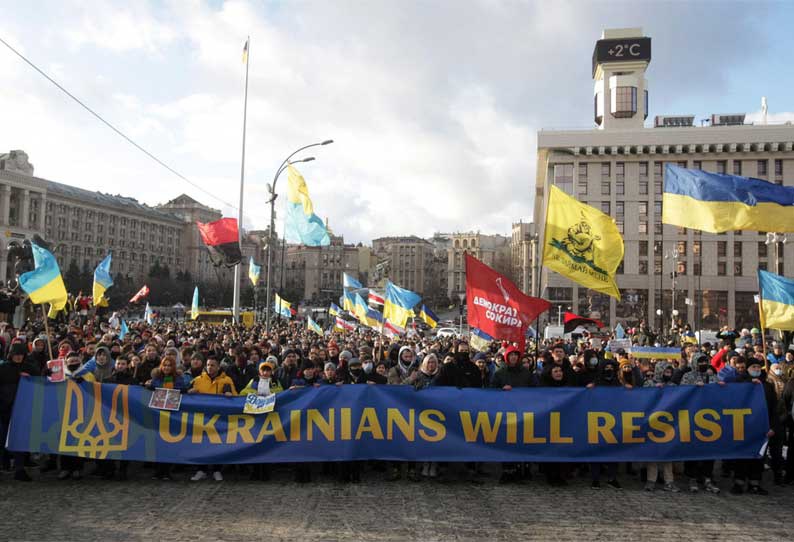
point(238, 509)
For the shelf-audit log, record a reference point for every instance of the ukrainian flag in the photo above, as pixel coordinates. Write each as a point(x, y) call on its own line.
point(427, 315)
point(349, 282)
point(366, 315)
point(282, 307)
point(399, 304)
point(102, 281)
point(194, 307)
point(311, 325)
point(44, 284)
point(717, 203)
point(334, 310)
point(301, 224)
point(124, 330)
point(480, 340)
point(348, 302)
point(776, 305)
point(254, 271)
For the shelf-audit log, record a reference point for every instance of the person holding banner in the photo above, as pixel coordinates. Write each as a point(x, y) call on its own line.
point(427, 373)
point(663, 377)
point(607, 377)
point(16, 367)
point(554, 377)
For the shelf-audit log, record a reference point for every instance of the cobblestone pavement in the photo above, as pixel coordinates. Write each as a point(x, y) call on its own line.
point(237, 509)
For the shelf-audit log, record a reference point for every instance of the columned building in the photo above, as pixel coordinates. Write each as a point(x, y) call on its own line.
point(708, 280)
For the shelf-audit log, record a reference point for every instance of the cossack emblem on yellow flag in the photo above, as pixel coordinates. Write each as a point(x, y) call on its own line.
point(582, 243)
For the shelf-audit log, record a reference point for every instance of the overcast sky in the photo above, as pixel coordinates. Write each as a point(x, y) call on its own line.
point(434, 106)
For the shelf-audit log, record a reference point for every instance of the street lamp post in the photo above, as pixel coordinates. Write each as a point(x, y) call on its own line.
point(673, 255)
point(273, 196)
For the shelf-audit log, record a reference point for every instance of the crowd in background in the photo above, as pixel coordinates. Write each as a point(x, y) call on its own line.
point(232, 360)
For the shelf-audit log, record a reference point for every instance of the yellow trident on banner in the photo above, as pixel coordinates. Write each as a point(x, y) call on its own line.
point(96, 437)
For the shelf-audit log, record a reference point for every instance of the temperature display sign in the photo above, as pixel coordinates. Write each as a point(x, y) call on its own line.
point(621, 50)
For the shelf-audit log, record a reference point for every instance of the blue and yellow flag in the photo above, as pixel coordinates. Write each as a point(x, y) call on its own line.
point(582, 243)
point(194, 306)
point(480, 340)
point(348, 302)
point(254, 271)
point(148, 314)
point(284, 308)
point(717, 202)
point(399, 305)
point(349, 282)
point(124, 329)
point(302, 225)
point(44, 284)
point(102, 281)
point(311, 325)
point(334, 310)
point(366, 315)
point(428, 316)
point(776, 305)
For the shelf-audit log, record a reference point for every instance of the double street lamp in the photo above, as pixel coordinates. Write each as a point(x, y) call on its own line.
point(271, 188)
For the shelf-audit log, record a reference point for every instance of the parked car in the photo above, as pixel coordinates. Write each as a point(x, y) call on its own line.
point(446, 332)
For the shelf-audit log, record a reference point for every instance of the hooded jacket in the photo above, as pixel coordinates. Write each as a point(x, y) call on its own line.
point(94, 372)
point(401, 373)
point(601, 378)
point(215, 386)
point(10, 373)
point(515, 377)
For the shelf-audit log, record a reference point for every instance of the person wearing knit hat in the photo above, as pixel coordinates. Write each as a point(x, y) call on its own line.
point(329, 374)
point(626, 372)
point(10, 374)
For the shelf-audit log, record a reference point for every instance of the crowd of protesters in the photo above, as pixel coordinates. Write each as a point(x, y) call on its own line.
point(232, 360)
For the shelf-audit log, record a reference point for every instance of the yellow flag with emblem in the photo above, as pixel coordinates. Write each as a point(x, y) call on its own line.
point(582, 243)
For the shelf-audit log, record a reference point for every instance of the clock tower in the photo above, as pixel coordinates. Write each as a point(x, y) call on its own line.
point(620, 95)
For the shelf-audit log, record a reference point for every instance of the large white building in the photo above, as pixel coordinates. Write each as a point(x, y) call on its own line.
point(618, 167)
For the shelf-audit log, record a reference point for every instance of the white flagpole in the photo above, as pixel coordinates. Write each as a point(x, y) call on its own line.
point(238, 267)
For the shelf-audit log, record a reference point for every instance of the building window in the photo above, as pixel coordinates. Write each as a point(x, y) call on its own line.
point(657, 209)
point(605, 208)
point(619, 209)
point(624, 102)
point(721, 269)
point(605, 171)
point(762, 248)
point(762, 164)
point(643, 249)
point(605, 188)
point(696, 248)
point(722, 166)
point(657, 228)
point(643, 226)
point(681, 247)
point(697, 164)
point(762, 266)
point(619, 224)
point(737, 269)
point(643, 208)
point(722, 249)
point(583, 179)
point(737, 249)
point(643, 267)
point(737, 167)
point(681, 268)
point(643, 184)
point(563, 179)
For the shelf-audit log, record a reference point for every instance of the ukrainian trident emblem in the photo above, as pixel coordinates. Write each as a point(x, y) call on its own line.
point(85, 431)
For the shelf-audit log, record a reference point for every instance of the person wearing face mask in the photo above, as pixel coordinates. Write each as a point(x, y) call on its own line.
point(354, 373)
point(588, 374)
point(308, 376)
point(607, 377)
point(463, 373)
point(374, 374)
point(662, 378)
point(749, 471)
point(71, 466)
point(774, 378)
point(554, 377)
point(404, 372)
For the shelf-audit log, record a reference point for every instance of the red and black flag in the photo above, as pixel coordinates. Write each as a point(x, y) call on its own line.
point(572, 321)
point(222, 241)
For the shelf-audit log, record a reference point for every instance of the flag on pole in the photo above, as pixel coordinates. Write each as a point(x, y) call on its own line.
point(124, 330)
point(374, 298)
point(571, 321)
point(245, 51)
point(102, 281)
point(348, 302)
point(254, 271)
point(44, 284)
point(496, 305)
point(148, 315)
point(222, 240)
point(428, 317)
point(143, 292)
point(301, 224)
point(392, 330)
point(350, 283)
point(582, 243)
point(282, 307)
point(399, 304)
point(366, 315)
point(334, 310)
point(776, 305)
point(716, 202)
point(194, 307)
point(311, 325)
point(480, 340)
point(344, 325)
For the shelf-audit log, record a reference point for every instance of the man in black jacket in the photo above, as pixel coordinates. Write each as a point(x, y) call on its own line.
point(462, 373)
point(10, 372)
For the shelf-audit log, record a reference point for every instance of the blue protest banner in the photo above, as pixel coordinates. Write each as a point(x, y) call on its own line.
point(359, 422)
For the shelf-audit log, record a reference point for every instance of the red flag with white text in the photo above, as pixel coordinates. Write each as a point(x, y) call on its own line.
point(143, 292)
point(496, 305)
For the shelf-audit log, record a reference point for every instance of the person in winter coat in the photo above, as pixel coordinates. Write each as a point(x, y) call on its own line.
point(786, 414)
point(749, 471)
point(149, 362)
point(329, 377)
point(264, 383)
point(775, 378)
point(40, 354)
point(167, 375)
point(240, 371)
point(424, 380)
point(512, 375)
point(590, 370)
point(213, 381)
point(607, 377)
point(404, 371)
point(463, 373)
point(288, 370)
point(554, 377)
point(100, 367)
point(122, 376)
point(662, 378)
point(15, 367)
point(353, 372)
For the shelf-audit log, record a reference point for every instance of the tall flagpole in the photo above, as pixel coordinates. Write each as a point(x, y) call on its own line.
point(238, 267)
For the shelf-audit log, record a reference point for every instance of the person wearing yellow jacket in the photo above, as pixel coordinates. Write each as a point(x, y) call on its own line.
point(212, 381)
point(215, 382)
point(264, 384)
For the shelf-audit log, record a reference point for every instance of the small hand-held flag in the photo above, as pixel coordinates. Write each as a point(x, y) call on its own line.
point(334, 310)
point(143, 292)
point(124, 330)
point(194, 306)
point(311, 325)
point(223, 243)
point(148, 314)
point(399, 304)
point(254, 271)
point(102, 281)
point(428, 316)
point(44, 284)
